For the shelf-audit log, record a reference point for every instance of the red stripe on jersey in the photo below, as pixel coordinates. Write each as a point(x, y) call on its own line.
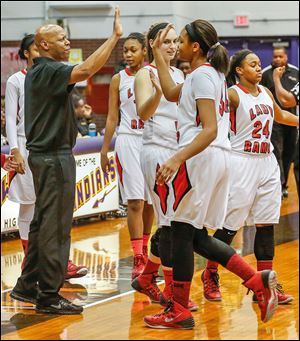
point(198, 119)
point(2, 159)
point(181, 185)
point(232, 118)
point(128, 72)
point(242, 88)
point(11, 175)
point(155, 67)
point(120, 169)
point(245, 90)
point(24, 71)
point(163, 192)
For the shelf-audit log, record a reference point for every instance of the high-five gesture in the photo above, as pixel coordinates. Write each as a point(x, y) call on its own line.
point(161, 36)
point(118, 30)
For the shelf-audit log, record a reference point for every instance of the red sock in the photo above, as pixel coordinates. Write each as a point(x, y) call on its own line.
point(181, 292)
point(137, 246)
point(264, 265)
point(238, 266)
point(150, 267)
point(212, 266)
point(146, 237)
point(168, 275)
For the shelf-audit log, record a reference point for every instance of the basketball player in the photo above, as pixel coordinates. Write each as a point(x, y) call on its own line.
point(201, 169)
point(255, 190)
point(160, 142)
point(128, 147)
point(21, 188)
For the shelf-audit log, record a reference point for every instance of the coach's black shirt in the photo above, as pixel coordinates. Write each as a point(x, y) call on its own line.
point(50, 123)
point(289, 80)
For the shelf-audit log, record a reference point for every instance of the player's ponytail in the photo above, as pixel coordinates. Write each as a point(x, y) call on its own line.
point(202, 32)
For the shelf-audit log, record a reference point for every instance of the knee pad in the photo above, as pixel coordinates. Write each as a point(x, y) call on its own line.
point(165, 246)
point(154, 243)
point(264, 243)
point(225, 235)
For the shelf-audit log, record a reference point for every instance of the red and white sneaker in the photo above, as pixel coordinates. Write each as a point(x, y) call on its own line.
point(138, 266)
point(175, 316)
point(75, 271)
point(146, 284)
point(263, 284)
point(163, 300)
point(211, 285)
point(283, 298)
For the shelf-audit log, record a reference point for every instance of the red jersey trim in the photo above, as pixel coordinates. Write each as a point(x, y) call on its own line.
point(245, 90)
point(128, 72)
point(24, 71)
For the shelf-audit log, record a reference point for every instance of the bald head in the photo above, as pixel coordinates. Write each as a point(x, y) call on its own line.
point(51, 40)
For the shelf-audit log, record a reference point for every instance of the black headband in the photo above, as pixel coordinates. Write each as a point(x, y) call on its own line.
point(194, 37)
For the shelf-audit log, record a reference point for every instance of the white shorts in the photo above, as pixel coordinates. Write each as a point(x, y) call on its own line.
point(255, 191)
point(21, 189)
point(131, 178)
point(161, 196)
point(201, 189)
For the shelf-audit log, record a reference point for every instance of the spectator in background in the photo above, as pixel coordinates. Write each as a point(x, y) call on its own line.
point(283, 137)
point(83, 113)
point(184, 66)
point(288, 99)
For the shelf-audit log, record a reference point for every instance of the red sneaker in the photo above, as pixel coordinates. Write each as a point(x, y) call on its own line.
point(174, 316)
point(75, 271)
point(210, 281)
point(283, 298)
point(263, 284)
point(164, 298)
point(138, 266)
point(146, 284)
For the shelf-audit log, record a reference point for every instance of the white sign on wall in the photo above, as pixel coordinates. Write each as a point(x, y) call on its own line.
point(95, 192)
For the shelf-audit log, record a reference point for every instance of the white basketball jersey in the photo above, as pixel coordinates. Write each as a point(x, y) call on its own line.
point(14, 107)
point(252, 122)
point(203, 83)
point(161, 128)
point(130, 122)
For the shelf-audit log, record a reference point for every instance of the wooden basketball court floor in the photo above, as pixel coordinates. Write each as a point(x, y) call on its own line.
point(113, 311)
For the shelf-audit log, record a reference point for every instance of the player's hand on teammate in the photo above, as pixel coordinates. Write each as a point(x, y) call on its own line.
point(118, 30)
point(104, 162)
point(18, 158)
point(167, 170)
point(278, 72)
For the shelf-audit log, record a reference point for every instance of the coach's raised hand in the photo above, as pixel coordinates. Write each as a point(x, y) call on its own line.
point(96, 60)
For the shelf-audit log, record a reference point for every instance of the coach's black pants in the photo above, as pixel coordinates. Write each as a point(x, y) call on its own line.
point(284, 140)
point(49, 236)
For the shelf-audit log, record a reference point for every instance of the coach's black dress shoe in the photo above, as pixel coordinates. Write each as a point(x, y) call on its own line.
point(60, 306)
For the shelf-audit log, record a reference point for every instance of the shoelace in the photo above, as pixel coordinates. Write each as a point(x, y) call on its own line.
point(169, 307)
point(214, 284)
point(279, 288)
